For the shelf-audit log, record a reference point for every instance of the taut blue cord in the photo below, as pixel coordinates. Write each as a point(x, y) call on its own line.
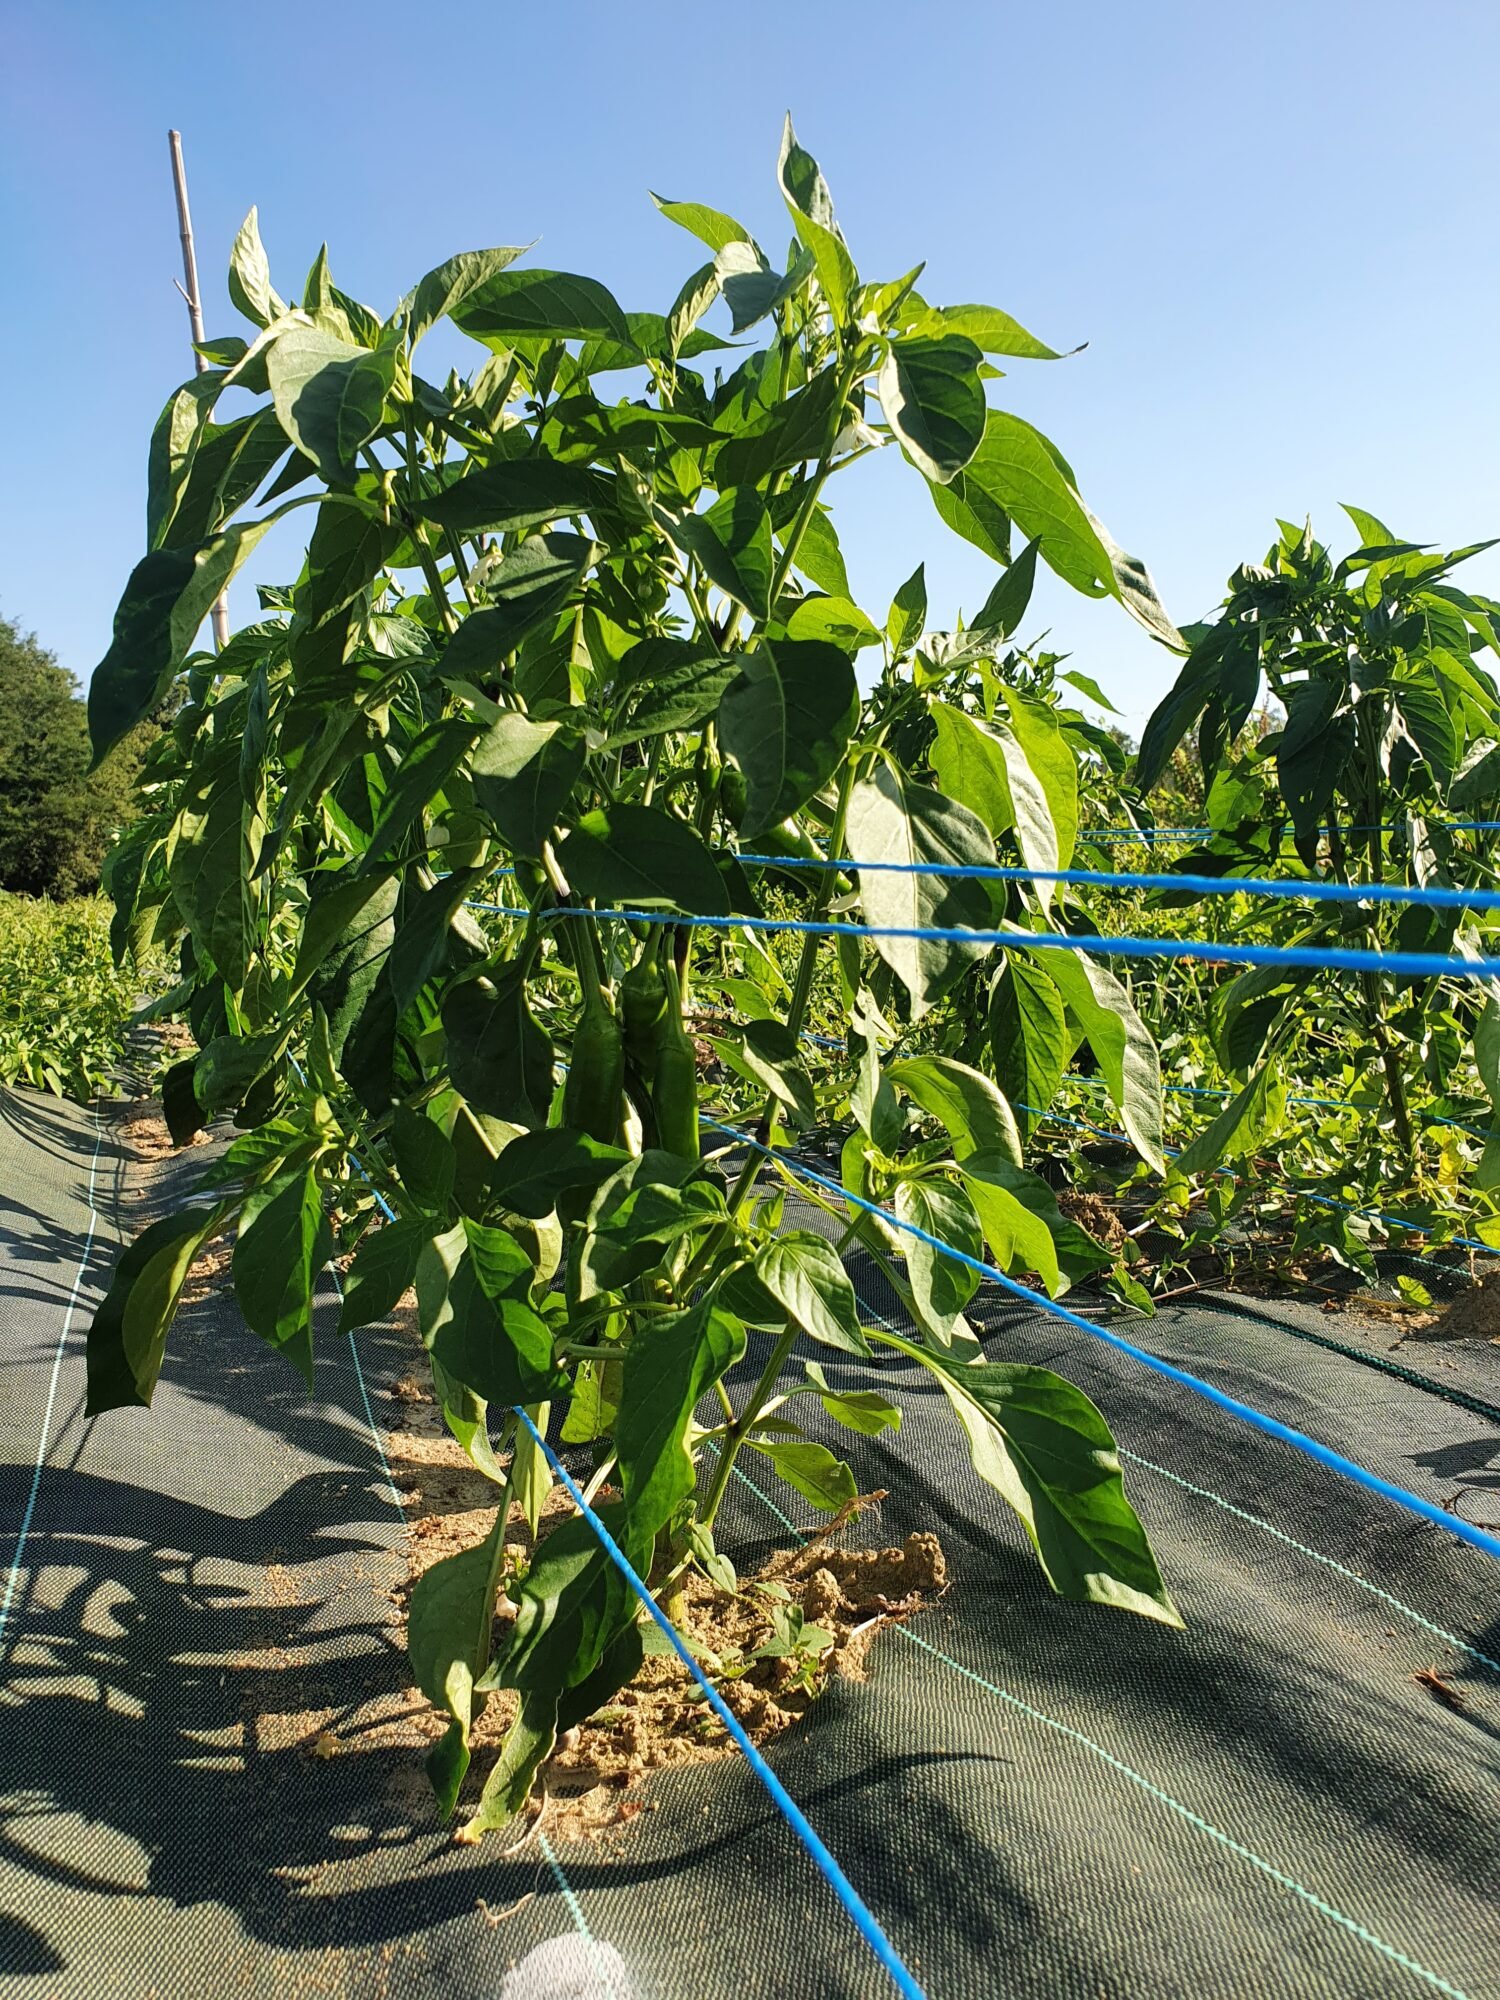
point(859, 1912)
point(1295, 889)
point(1399, 964)
point(1150, 833)
point(1332, 1104)
point(1322, 1454)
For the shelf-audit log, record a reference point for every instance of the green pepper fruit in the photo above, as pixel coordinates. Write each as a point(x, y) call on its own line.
point(593, 1100)
point(674, 1091)
point(643, 1006)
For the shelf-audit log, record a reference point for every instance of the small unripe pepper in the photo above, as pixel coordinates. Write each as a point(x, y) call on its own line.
point(643, 1007)
point(674, 1092)
point(593, 1100)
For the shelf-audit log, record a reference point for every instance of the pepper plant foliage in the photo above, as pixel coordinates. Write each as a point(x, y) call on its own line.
point(1391, 725)
point(568, 651)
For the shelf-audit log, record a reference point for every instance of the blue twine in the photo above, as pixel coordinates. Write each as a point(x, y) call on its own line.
point(854, 1905)
point(1334, 1104)
point(1315, 891)
point(1322, 1454)
point(1403, 964)
point(1150, 833)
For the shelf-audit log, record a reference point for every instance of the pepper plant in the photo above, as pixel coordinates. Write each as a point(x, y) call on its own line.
point(574, 636)
point(1391, 727)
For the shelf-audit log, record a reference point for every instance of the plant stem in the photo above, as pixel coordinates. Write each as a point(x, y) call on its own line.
point(737, 1432)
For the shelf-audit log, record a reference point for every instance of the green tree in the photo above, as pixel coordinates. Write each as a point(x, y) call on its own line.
point(57, 818)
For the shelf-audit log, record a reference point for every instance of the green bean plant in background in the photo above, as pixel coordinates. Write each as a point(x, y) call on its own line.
point(573, 632)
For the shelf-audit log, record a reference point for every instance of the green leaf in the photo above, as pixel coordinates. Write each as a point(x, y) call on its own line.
point(431, 927)
point(283, 1243)
point(813, 1470)
point(1016, 476)
point(709, 225)
point(971, 1109)
point(175, 442)
point(752, 289)
point(1250, 1120)
point(1018, 1237)
point(1197, 680)
point(250, 288)
point(680, 696)
point(908, 613)
point(528, 589)
point(128, 1335)
point(498, 1058)
point(449, 1620)
point(803, 1274)
point(864, 1410)
point(991, 330)
point(425, 1159)
point(986, 767)
point(934, 402)
point(1028, 1033)
point(535, 1169)
point(329, 397)
point(229, 1065)
point(893, 819)
point(1315, 745)
point(668, 1367)
point(732, 541)
point(495, 1343)
point(1121, 1042)
point(1047, 1451)
point(832, 621)
point(349, 975)
point(452, 283)
point(941, 1286)
point(337, 902)
point(1086, 684)
point(640, 856)
point(804, 426)
point(523, 774)
point(1005, 607)
point(506, 305)
point(383, 1270)
point(819, 557)
point(429, 762)
point(811, 205)
point(513, 494)
point(167, 598)
point(179, 1103)
point(786, 722)
point(211, 854)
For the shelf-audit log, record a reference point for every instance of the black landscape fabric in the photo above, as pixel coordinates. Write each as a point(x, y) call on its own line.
point(1035, 1799)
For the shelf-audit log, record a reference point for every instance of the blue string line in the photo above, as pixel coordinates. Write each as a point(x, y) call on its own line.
point(1312, 890)
point(1402, 964)
point(1322, 1454)
point(1150, 833)
point(790, 1811)
point(1329, 1104)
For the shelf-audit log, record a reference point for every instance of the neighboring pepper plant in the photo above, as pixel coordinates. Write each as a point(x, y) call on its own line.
point(562, 655)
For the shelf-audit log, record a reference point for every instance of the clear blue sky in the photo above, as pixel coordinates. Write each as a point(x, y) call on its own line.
point(1274, 223)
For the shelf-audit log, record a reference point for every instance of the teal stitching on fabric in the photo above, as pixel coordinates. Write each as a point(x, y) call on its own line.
point(575, 1911)
point(23, 1533)
point(1316, 1555)
point(1196, 1820)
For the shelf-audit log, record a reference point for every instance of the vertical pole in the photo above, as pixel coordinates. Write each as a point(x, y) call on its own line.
point(220, 613)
